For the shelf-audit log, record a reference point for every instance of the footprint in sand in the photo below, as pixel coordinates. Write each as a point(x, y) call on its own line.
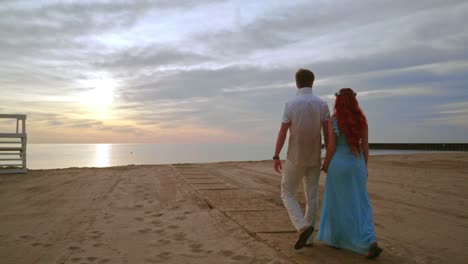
point(91, 259)
point(156, 222)
point(157, 215)
point(158, 259)
point(74, 248)
point(240, 258)
point(26, 237)
point(77, 259)
point(36, 244)
point(102, 261)
point(163, 257)
point(159, 231)
point(139, 206)
point(97, 235)
point(196, 248)
point(226, 253)
point(163, 241)
point(107, 216)
point(139, 219)
point(150, 260)
point(148, 212)
point(144, 231)
point(182, 217)
point(180, 236)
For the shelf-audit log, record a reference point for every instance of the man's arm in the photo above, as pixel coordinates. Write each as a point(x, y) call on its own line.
point(279, 145)
point(325, 116)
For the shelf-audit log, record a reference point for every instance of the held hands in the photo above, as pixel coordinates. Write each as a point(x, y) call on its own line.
point(277, 166)
point(324, 167)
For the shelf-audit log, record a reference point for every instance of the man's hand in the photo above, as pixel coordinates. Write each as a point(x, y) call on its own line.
point(279, 145)
point(277, 165)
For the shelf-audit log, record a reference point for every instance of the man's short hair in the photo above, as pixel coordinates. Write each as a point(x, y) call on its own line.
point(304, 78)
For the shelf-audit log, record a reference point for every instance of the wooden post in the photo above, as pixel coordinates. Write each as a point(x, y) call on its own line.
point(13, 158)
point(24, 141)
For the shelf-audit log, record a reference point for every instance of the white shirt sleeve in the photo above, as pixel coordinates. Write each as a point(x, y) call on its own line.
point(286, 115)
point(324, 112)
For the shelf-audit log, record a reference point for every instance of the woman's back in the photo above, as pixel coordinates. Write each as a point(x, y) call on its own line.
point(342, 146)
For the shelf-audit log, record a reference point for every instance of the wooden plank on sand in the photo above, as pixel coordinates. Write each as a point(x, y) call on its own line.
point(264, 221)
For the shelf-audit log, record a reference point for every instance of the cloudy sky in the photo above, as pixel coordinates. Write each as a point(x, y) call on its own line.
point(220, 71)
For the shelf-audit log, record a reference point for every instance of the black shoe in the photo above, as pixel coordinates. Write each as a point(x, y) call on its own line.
point(337, 248)
point(374, 252)
point(303, 237)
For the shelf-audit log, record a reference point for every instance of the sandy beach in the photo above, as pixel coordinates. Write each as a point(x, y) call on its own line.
point(227, 212)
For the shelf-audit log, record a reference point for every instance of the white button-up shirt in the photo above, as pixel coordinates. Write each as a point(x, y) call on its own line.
point(306, 113)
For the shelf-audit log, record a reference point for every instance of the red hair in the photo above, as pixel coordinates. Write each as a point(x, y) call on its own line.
point(351, 119)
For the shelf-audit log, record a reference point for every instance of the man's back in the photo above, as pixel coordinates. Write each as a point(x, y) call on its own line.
point(306, 113)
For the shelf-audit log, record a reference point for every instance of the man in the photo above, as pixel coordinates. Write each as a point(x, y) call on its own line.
point(304, 116)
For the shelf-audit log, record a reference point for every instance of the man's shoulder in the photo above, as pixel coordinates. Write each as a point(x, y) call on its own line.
point(319, 99)
point(300, 99)
point(292, 100)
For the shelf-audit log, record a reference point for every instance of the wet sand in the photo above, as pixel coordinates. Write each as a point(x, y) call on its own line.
point(227, 212)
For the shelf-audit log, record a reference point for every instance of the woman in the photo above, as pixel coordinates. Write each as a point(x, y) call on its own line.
point(346, 220)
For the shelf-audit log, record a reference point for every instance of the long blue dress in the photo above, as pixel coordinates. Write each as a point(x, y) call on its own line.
point(346, 220)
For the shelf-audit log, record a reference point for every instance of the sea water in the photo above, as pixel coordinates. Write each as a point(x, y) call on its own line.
point(49, 156)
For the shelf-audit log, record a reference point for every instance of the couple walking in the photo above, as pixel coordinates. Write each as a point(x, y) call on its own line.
point(346, 218)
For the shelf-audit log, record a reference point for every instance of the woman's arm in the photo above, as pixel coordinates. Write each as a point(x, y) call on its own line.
point(365, 144)
point(331, 145)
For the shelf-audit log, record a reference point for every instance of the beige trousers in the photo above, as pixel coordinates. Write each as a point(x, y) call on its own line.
point(292, 176)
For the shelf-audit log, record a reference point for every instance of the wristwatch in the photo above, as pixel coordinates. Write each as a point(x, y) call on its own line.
point(276, 157)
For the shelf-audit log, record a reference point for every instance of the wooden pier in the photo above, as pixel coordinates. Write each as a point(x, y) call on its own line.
point(421, 146)
point(13, 147)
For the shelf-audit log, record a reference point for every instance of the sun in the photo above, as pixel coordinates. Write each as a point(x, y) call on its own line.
point(102, 92)
point(99, 97)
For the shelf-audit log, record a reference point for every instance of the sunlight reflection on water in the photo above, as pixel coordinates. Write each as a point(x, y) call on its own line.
point(103, 152)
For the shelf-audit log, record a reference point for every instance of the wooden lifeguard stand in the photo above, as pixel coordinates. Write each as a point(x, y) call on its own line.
point(13, 147)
